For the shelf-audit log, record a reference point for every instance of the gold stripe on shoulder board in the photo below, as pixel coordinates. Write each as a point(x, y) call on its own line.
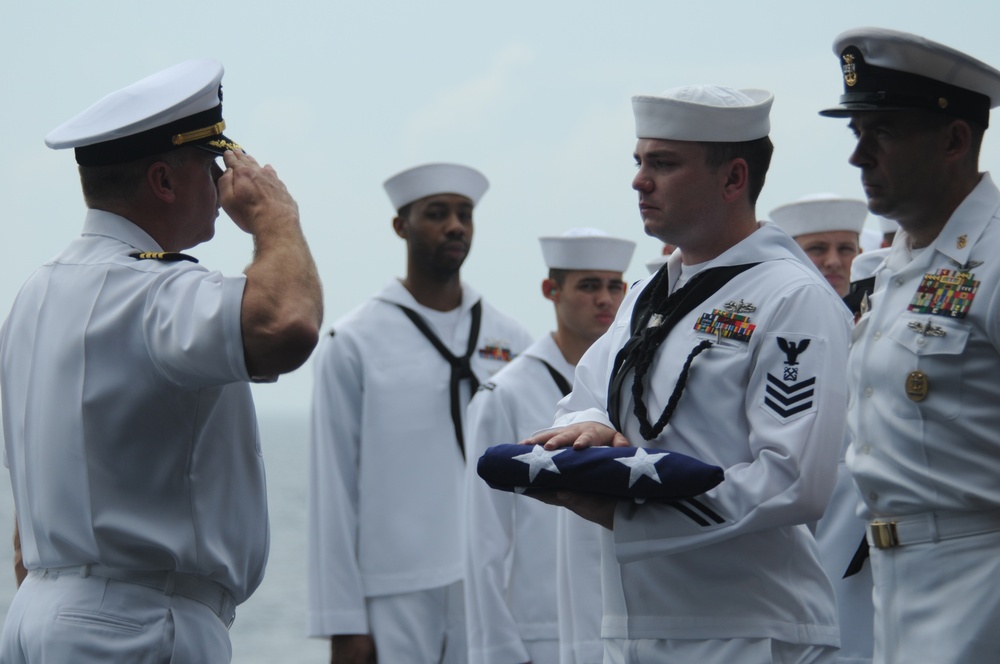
point(166, 256)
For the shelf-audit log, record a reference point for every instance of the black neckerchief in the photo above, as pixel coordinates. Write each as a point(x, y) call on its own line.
point(559, 379)
point(640, 350)
point(461, 367)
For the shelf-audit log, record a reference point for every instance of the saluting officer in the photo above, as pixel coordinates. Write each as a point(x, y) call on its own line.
point(128, 421)
point(924, 362)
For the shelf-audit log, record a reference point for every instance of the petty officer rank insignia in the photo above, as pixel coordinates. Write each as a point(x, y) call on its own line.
point(166, 256)
point(792, 393)
point(947, 293)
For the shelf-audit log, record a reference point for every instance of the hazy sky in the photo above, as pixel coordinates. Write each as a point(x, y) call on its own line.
point(338, 96)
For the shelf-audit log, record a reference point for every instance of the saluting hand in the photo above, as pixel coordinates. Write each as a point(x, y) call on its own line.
point(252, 195)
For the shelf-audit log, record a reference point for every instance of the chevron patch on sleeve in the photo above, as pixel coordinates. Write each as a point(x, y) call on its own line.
point(787, 399)
point(792, 390)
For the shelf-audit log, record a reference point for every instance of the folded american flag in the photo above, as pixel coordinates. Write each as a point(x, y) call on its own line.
point(622, 472)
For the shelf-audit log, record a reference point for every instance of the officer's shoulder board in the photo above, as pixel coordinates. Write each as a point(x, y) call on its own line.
point(165, 256)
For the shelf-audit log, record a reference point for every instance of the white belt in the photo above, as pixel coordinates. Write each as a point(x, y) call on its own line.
point(198, 588)
point(930, 527)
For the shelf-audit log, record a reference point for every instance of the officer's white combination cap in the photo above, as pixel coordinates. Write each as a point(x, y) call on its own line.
point(704, 113)
point(821, 213)
point(586, 249)
point(177, 107)
point(888, 70)
point(433, 179)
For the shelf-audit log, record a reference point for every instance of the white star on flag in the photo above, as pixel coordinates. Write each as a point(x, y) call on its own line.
point(539, 459)
point(642, 464)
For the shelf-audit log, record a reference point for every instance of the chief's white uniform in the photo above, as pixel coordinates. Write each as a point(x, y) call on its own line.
point(934, 463)
point(738, 561)
point(387, 472)
point(510, 583)
point(130, 434)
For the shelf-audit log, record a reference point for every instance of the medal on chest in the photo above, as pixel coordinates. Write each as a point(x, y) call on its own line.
point(729, 323)
point(917, 386)
point(496, 351)
point(948, 293)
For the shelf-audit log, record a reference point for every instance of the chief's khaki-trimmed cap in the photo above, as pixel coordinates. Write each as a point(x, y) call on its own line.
point(820, 213)
point(704, 113)
point(177, 107)
point(888, 70)
point(433, 179)
point(586, 249)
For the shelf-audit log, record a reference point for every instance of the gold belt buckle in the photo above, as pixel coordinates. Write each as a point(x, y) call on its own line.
point(883, 534)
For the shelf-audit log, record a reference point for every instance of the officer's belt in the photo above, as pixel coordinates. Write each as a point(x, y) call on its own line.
point(198, 588)
point(930, 527)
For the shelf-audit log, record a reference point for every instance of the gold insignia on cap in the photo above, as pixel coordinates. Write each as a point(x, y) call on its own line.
point(917, 386)
point(942, 103)
point(196, 134)
point(962, 241)
point(850, 70)
point(225, 145)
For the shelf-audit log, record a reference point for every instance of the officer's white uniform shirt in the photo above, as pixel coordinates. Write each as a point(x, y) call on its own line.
point(739, 560)
point(939, 454)
point(510, 583)
point(387, 476)
point(129, 426)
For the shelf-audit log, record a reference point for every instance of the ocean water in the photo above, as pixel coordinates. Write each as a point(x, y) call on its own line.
point(270, 627)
